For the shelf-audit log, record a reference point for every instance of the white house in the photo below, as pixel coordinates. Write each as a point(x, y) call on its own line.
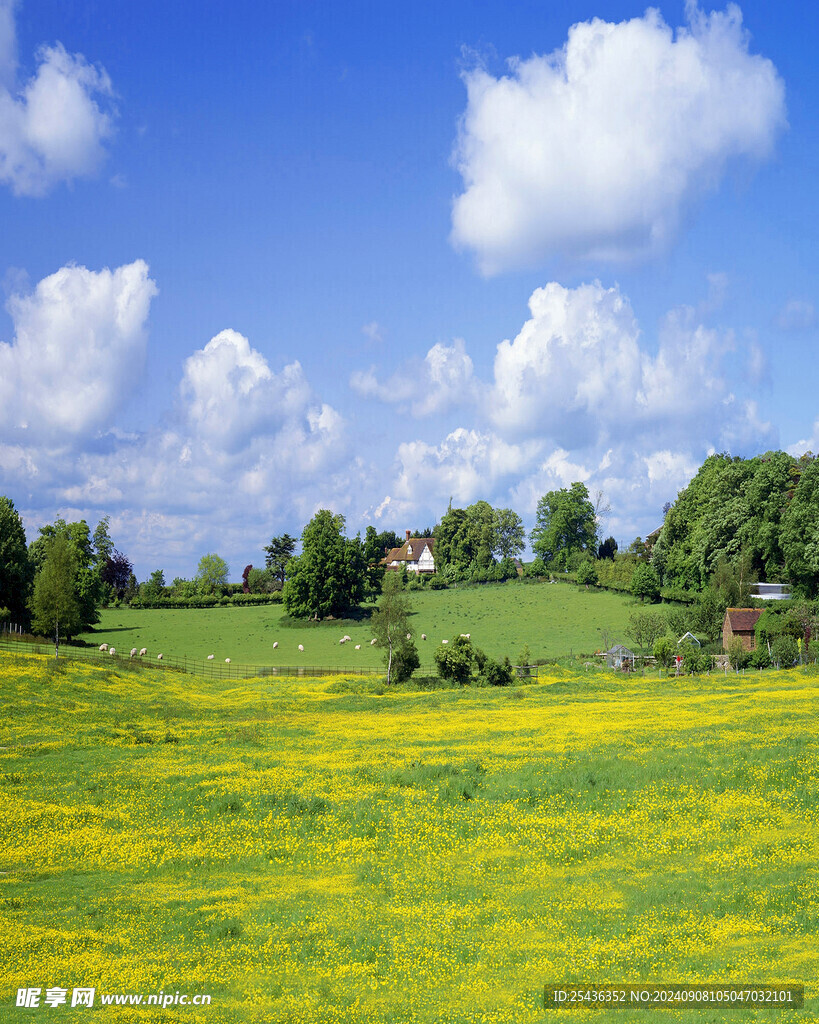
point(416, 553)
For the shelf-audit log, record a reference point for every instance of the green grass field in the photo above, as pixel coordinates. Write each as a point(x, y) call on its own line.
point(553, 620)
point(316, 851)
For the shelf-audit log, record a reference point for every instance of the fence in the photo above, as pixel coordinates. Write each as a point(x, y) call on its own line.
point(12, 638)
point(194, 666)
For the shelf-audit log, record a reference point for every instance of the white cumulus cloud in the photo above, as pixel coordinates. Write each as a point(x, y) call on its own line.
point(592, 151)
point(52, 127)
point(79, 342)
point(444, 379)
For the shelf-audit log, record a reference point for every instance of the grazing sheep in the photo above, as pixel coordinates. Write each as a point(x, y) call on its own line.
point(275, 644)
point(466, 636)
point(103, 647)
point(159, 657)
point(227, 661)
point(343, 640)
point(423, 636)
point(445, 641)
point(143, 652)
point(358, 647)
point(133, 652)
point(301, 648)
point(210, 657)
point(372, 642)
point(112, 650)
point(409, 636)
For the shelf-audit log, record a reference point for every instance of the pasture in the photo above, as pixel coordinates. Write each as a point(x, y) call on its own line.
point(553, 619)
point(309, 851)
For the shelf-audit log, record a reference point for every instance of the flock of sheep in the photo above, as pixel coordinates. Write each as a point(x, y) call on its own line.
point(345, 639)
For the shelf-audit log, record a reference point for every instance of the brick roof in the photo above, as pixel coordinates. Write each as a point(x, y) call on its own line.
point(742, 620)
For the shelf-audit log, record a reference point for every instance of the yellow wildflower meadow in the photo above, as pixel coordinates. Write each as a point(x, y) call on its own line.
point(304, 851)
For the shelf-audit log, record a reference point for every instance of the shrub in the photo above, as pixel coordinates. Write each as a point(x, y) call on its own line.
point(491, 672)
point(694, 661)
point(437, 583)
point(760, 658)
point(587, 573)
point(737, 655)
point(784, 651)
point(405, 661)
point(645, 583)
point(813, 650)
point(665, 650)
point(454, 660)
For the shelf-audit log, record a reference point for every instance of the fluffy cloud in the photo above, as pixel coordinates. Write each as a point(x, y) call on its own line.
point(443, 380)
point(79, 342)
point(593, 150)
point(52, 127)
point(577, 373)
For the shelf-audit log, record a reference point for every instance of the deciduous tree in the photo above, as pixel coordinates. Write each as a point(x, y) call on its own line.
point(565, 526)
point(16, 571)
point(391, 628)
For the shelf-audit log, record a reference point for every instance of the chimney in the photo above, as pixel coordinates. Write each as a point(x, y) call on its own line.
point(408, 534)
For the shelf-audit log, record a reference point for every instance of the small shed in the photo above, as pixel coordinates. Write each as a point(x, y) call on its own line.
point(740, 622)
point(689, 638)
point(621, 657)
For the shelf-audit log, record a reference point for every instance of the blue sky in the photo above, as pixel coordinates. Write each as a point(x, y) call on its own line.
point(265, 259)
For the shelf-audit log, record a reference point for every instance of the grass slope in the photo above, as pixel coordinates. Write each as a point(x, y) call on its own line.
point(310, 852)
point(552, 619)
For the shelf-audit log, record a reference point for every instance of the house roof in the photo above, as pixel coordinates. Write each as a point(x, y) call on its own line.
point(417, 544)
point(742, 620)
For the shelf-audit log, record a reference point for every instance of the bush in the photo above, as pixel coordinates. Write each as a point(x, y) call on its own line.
point(784, 651)
point(665, 651)
point(694, 661)
point(454, 660)
point(813, 650)
point(737, 655)
point(405, 661)
point(760, 658)
point(587, 573)
point(438, 583)
point(491, 672)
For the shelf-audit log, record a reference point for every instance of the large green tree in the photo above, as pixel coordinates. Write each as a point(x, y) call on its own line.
point(800, 532)
point(277, 554)
point(510, 536)
point(87, 583)
point(390, 626)
point(565, 526)
point(329, 576)
point(55, 605)
point(212, 573)
point(16, 571)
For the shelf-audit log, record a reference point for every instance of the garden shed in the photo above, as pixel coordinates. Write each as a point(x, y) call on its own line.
point(621, 657)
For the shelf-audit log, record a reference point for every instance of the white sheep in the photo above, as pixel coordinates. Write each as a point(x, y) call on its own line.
point(210, 657)
point(373, 642)
point(445, 641)
point(143, 652)
point(133, 652)
point(423, 636)
point(159, 657)
point(112, 650)
point(103, 647)
point(343, 640)
point(301, 648)
point(409, 636)
point(275, 644)
point(358, 647)
point(465, 636)
point(227, 661)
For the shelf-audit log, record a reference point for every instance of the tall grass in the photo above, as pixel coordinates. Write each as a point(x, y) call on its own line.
point(303, 853)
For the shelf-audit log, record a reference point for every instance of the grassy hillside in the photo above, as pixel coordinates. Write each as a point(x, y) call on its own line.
point(553, 619)
point(308, 852)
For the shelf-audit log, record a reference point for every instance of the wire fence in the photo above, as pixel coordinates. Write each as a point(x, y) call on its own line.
point(21, 644)
point(12, 638)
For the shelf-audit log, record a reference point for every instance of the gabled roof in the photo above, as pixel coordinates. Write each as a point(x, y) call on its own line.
point(742, 620)
point(417, 544)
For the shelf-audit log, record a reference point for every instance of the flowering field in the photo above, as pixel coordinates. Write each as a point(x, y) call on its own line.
point(322, 852)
